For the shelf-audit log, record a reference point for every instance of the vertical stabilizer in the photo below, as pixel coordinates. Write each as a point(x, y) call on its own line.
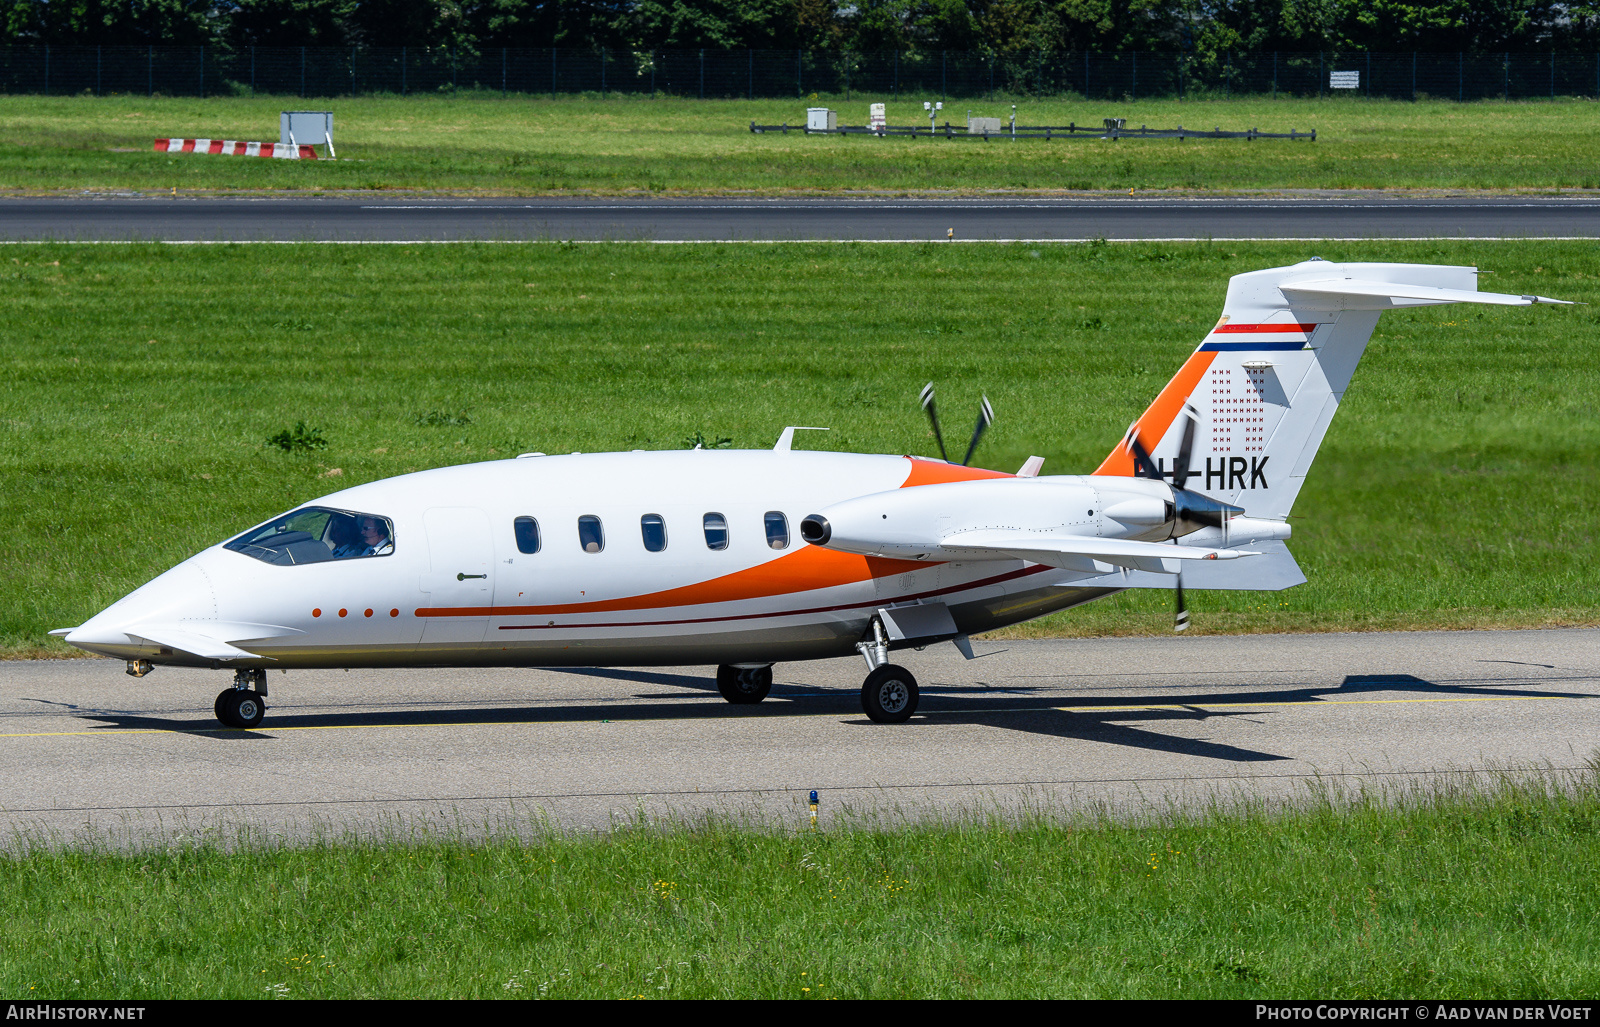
point(1267, 380)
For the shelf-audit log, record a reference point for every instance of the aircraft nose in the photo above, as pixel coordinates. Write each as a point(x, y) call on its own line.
point(183, 593)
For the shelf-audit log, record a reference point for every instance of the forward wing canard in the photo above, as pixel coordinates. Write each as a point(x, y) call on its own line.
point(192, 642)
point(208, 640)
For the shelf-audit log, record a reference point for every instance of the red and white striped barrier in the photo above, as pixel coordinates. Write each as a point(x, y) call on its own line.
point(234, 148)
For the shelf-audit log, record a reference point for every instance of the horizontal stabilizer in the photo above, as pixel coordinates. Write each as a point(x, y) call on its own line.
point(1077, 552)
point(1360, 295)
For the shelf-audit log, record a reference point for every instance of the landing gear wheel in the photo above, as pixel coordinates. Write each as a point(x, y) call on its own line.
point(240, 708)
point(742, 687)
point(889, 695)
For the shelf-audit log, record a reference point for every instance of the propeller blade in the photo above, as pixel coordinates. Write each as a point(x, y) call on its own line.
point(933, 419)
point(985, 418)
point(1180, 619)
point(1143, 466)
point(1180, 463)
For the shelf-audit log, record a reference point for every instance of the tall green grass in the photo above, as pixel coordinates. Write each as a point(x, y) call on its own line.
point(143, 383)
point(638, 145)
point(1474, 888)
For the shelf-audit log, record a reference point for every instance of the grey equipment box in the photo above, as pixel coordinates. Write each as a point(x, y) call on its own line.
point(983, 126)
point(301, 128)
point(821, 119)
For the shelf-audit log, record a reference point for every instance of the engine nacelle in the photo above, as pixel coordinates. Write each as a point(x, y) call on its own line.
point(910, 523)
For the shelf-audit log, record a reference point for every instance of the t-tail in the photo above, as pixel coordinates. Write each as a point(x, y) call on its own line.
point(1263, 386)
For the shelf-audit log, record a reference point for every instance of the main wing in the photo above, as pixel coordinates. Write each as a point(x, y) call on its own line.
point(1074, 552)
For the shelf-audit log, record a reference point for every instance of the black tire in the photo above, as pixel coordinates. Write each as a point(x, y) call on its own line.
point(242, 708)
point(889, 695)
point(744, 687)
point(218, 707)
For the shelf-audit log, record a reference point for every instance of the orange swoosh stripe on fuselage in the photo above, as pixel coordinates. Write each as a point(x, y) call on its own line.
point(868, 604)
point(1153, 423)
point(803, 570)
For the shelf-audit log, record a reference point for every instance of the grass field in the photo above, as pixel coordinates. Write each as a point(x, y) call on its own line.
point(1467, 891)
point(1455, 489)
point(631, 145)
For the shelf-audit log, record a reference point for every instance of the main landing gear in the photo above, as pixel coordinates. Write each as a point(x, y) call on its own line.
point(744, 686)
point(889, 695)
point(244, 705)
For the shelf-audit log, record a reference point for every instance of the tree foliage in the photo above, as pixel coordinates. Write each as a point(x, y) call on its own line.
point(1206, 27)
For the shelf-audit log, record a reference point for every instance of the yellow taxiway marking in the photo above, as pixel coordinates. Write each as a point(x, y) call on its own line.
point(1014, 709)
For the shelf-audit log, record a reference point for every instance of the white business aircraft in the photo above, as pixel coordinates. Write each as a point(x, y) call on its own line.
point(747, 558)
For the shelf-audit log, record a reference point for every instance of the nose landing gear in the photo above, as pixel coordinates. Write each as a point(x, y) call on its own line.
point(242, 705)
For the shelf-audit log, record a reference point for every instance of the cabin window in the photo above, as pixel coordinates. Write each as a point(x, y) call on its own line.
point(590, 535)
point(654, 529)
point(316, 534)
point(527, 532)
point(716, 527)
point(777, 529)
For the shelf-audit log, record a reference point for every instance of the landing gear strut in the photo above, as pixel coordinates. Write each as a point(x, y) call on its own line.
point(243, 705)
point(889, 695)
point(743, 686)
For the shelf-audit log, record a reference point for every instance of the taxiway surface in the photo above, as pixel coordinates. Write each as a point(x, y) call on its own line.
point(89, 754)
point(111, 218)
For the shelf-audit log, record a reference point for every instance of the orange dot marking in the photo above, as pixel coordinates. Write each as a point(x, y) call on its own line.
point(316, 613)
point(368, 613)
point(343, 612)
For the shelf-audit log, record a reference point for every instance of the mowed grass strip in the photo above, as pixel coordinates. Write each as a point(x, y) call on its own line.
point(1455, 489)
point(524, 145)
point(1461, 892)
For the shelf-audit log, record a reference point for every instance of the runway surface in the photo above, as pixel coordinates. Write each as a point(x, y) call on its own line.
point(444, 220)
point(87, 753)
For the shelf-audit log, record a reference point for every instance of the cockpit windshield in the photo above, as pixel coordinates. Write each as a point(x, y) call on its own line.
point(316, 534)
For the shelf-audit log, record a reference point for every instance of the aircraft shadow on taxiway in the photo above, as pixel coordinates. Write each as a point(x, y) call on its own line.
point(1014, 708)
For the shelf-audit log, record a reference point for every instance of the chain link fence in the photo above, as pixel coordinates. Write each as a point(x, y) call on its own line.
point(771, 74)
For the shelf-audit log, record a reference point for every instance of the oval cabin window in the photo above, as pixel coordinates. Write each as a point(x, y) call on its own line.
point(716, 527)
point(590, 535)
point(654, 529)
point(777, 529)
point(527, 532)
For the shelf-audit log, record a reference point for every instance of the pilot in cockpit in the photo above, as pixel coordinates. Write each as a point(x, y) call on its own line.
point(375, 540)
point(346, 539)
